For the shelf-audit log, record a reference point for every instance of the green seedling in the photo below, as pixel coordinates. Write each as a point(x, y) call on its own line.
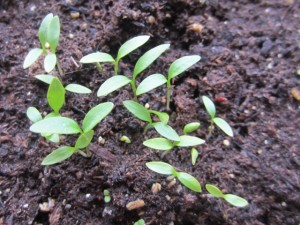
point(107, 197)
point(125, 139)
point(230, 198)
point(63, 125)
point(140, 222)
point(48, 34)
point(128, 47)
point(194, 156)
point(191, 127)
point(166, 169)
point(222, 124)
point(118, 81)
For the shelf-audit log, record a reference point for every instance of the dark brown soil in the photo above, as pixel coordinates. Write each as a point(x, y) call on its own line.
point(250, 54)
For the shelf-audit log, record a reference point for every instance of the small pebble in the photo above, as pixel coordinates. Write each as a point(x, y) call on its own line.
point(71, 36)
point(135, 204)
point(168, 197)
point(172, 183)
point(147, 106)
point(197, 27)
point(32, 8)
point(226, 142)
point(179, 189)
point(283, 204)
point(84, 26)
point(68, 206)
point(88, 196)
point(266, 142)
point(231, 175)
point(295, 93)
point(259, 151)
point(151, 19)
point(156, 187)
point(101, 140)
point(25, 206)
point(75, 15)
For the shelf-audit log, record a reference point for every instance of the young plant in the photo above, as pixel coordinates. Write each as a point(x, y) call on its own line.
point(140, 222)
point(194, 156)
point(166, 169)
point(128, 47)
point(211, 109)
point(48, 34)
point(230, 198)
point(125, 139)
point(107, 197)
point(189, 128)
point(118, 81)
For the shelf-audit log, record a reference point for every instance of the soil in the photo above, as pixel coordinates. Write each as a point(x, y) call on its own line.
point(250, 54)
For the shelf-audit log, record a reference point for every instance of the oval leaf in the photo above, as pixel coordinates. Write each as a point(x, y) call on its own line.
point(56, 95)
point(53, 32)
point(209, 106)
point(97, 57)
point(84, 139)
point(95, 115)
point(33, 114)
point(58, 155)
point(31, 57)
point(148, 58)
point(138, 110)
point(190, 127)
point(163, 117)
point(194, 155)
point(186, 141)
point(182, 64)
point(236, 200)
point(77, 88)
point(159, 144)
point(131, 45)
point(56, 125)
point(214, 191)
point(224, 126)
point(50, 62)
point(151, 82)
point(43, 29)
point(166, 131)
point(161, 167)
point(53, 138)
point(112, 84)
point(45, 78)
point(189, 181)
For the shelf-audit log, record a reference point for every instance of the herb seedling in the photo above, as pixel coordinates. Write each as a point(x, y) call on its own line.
point(125, 139)
point(107, 197)
point(140, 222)
point(186, 179)
point(189, 128)
point(48, 34)
point(222, 124)
point(230, 198)
point(128, 47)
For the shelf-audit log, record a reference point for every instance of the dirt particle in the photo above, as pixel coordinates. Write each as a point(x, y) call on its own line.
point(101, 140)
point(151, 20)
point(47, 206)
point(156, 187)
point(135, 204)
point(75, 15)
point(168, 197)
point(226, 143)
point(196, 27)
point(172, 183)
point(295, 93)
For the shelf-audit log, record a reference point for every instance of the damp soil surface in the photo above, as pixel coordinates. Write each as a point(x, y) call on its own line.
point(250, 55)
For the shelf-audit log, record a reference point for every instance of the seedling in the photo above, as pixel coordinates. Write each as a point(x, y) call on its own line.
point(125, 139)
point(222, 124)
point(48, 34)
point(128, 47)
point(194, 156)
point(166, 169)
point(190, 127)
point(230, 198)
point(107, 197)
point(140, 222)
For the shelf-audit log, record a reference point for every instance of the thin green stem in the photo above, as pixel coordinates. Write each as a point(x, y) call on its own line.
point(168, 94)
point(133, 86)
point(116, 67)
point(99, 67)
point(146, 128)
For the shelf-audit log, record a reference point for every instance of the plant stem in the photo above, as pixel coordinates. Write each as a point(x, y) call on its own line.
point(61, 73)
point(168, 94)
point(146, 128)
point(134, 89)
point(99, 67)
point(116, 67)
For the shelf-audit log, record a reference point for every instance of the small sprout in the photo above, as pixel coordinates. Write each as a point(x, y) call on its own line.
point(194, 155)
point(191, 127)
point(211, 109)
point(166, 169)
point(107, 197)
point(33, 114)
point(125, 139)
point(140, 222)
point(230, 198)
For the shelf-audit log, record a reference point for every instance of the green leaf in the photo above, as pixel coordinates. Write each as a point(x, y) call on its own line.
point(56, 95)
point(163, 117)
point(43, 29)
point(131, 45)
point(112, 84)
point(84, 139)
point(236, 200)
point(77, 88)
point(151, 82)
point(159, 144)
point(148, 58)
point(214, 191)
point(209, 106)
point(50, 62)
point(161, 167)
point(53, 138)
point(33, 114)
point(97, 57)
point(194, 155)
point(58, 155)
point(138, 110)
point(186, 141)
point(166, 131)
point(224, 126)
point(182, 64)
point(31, 57)
point(107, 199)
point(95, 115)
point(140, 222)
point(190, 127)
point(56, 125)
point(53, 32)
point(45, 78)
point(189, 181)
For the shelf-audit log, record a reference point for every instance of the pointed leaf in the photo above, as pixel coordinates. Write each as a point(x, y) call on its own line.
point(148, 58)
point(50, 62)
point(45, 78)
point(163, 117)
point(84, 139)
point(209, 106)
point(189, 181)
point(194, 155)
point(77, 88)
point(95, 115)
point(131, 45)
point(159, 144)
point(186, 141)
point(138, 110)
point(214, 191)
point(31, 57)
point(224, 126)
point(56, 125)
point(43, 29)
point(236, 200)
point(190, 127)
point(53, 32)
point(161, 167)
point(97, 57)
point(182, 64)
point(53, 138)
point(33, 114)
point(112, 84)
point(58, 155)
point(56, 95)
point(151, 82)
point(166, 131)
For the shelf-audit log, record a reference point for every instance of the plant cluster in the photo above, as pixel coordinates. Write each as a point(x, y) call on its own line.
point(55, 124)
